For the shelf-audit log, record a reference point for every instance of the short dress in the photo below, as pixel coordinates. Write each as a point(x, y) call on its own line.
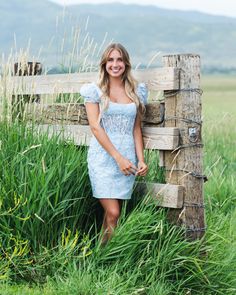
point(118, 119)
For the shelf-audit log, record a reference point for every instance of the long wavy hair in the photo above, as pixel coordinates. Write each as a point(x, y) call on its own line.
point(129, 81)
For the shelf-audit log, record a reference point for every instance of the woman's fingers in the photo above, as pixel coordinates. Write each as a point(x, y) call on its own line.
point(142, 171)
point(126, 166)
point(131, 169)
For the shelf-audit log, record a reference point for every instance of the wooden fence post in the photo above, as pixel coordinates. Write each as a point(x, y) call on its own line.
point(184, 165)
point(18, 101)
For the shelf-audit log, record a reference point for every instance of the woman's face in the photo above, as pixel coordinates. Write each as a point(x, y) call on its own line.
point(115, 65)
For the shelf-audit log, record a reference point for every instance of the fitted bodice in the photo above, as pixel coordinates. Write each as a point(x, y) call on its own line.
point(119, 118)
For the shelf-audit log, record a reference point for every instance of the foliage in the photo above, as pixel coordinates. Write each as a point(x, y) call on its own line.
point(49, 224)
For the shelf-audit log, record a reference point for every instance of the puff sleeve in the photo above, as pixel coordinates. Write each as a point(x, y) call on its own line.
point(90, 93)
point(142, 92)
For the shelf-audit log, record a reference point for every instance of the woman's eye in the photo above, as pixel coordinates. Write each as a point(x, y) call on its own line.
point(118, 59)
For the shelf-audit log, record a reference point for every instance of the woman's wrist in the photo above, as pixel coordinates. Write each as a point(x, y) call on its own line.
point(117, 156)
point(141, 160)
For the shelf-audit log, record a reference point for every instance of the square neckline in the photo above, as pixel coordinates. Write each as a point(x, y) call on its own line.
point(120, 103)
point(110, 99)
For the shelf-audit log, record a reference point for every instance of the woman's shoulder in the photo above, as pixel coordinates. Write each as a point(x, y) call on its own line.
point(90, 92)
point(142, 92)
point(89, 88)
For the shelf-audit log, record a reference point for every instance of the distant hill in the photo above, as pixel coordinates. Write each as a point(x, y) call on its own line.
point(144, 30)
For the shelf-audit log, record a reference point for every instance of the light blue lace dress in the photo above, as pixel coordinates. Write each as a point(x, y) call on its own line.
point(118, 122)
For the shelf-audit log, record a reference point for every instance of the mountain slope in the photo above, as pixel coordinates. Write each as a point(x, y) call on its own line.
point(144, 30)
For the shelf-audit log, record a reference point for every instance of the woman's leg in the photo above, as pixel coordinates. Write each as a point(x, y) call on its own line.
point(104, 230)
point(112, 209)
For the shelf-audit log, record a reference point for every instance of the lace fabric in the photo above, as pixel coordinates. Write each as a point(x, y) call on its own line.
point(118, 122)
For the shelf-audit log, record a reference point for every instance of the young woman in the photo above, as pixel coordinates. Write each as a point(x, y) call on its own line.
point(114, 108)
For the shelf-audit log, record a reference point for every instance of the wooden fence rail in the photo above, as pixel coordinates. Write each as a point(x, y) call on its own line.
point(156, 79)
point(173, 127)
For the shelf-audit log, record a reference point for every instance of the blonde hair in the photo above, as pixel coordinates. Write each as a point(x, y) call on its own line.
point(129, 82)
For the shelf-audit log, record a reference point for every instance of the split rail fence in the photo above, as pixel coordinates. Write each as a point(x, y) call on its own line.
point(172, 126)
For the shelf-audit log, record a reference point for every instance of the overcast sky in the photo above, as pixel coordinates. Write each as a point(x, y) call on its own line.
point(221, 7)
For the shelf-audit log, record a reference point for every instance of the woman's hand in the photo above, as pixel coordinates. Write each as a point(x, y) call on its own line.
point(142, 169)
point(126, 167)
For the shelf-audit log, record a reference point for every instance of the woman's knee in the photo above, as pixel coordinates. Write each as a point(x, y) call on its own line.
point(112, 214)
point(111, 208)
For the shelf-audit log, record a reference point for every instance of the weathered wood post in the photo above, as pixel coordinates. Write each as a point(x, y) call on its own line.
point(184, 165)
point(18, 101)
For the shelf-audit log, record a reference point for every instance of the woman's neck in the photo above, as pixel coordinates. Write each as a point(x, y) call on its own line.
point(116, 82)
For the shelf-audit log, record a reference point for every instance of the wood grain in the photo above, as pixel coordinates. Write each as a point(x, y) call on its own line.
point(156, 79)
point(154, 137)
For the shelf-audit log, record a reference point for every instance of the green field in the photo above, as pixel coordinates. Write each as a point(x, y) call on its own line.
point(49, 224)
point(219, 96)
point(219, 131)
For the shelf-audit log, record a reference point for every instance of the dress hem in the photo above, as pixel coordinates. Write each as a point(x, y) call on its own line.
point(111, 198)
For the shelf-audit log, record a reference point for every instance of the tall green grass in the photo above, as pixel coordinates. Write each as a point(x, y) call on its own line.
point(49, 223)
point(50, 231)
point(44, 193)
point(219, 132)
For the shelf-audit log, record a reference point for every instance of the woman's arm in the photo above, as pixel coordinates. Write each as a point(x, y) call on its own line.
point(92, 110)
point(124, 164)
point(138, 140)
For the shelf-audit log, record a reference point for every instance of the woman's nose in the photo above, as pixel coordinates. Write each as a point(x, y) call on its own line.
point(114, 62)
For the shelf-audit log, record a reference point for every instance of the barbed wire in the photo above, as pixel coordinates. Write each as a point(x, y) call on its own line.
point(193, 204)
point(196, 229)
point(170, 93)
point(183, 146)
point(192, 173)
point(183, 119)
